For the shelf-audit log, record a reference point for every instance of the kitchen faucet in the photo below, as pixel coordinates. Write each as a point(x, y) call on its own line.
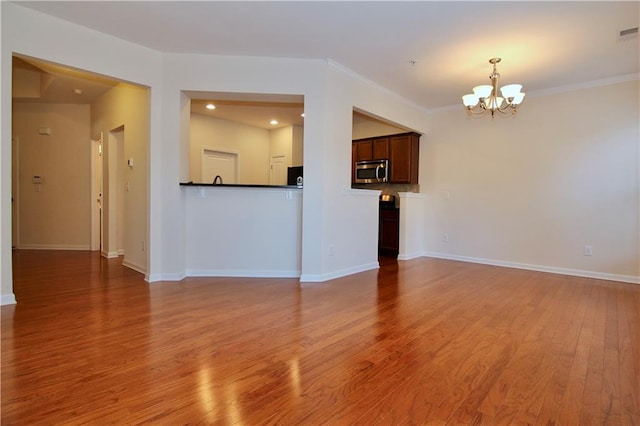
point(215, 180)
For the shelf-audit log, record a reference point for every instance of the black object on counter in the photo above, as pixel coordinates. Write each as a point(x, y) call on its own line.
point(292, 174)
point(387, 202)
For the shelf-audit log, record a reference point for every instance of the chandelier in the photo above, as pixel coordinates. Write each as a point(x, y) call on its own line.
point(485, 97)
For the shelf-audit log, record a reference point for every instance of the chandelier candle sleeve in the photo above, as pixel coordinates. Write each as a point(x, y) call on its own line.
point(485, 97)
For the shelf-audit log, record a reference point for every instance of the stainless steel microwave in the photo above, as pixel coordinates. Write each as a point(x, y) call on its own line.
point(376, 171)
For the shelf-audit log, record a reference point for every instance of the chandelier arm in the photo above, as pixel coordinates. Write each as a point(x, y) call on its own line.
point(474, 111)
point(507, 109)
point(508, 105)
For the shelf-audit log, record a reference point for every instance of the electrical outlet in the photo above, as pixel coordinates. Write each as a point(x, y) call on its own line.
point(445, 238)
point(588, 250)
point(142, 245)
point(332, 250)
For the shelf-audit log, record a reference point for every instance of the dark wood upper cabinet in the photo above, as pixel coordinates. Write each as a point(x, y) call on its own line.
point(381, 149)
point(404, 157)
point(371, 149)
point(364, 149)
point(401, 150)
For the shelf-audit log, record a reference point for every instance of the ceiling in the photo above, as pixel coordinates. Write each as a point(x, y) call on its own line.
point(40, 81)
point(431, 52)
point(253, 109)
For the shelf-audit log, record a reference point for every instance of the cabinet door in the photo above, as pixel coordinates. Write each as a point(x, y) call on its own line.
point(404, 158)
point(381, 149)
point(389, 233)
point(365, 150)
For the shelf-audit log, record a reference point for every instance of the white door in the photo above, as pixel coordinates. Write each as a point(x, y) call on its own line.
point(278, 170)
point(219, 163)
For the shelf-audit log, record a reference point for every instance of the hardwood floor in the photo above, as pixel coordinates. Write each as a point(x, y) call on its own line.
point(424, 341)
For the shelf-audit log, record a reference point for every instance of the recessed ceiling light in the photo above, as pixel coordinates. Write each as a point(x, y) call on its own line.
point(77, 91)
point(211, 106)
point(274, 122)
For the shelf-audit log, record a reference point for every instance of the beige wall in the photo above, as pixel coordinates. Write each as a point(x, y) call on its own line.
point(297, 150)
point(280, 142)
point(56, 213)
point(367, 129)
point(251, 144)
point(534, 189)
point(126, 106)
point(254, 146)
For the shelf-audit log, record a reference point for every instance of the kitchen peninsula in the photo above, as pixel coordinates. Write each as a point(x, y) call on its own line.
point(239, 185)
point(242, 230)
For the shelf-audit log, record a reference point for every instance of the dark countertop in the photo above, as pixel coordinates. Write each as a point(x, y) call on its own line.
point(225, 185)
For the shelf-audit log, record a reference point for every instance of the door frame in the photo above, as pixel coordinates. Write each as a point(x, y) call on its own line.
point(271, 163)
point(15, 192)
point(225, 153)
point(97, 185)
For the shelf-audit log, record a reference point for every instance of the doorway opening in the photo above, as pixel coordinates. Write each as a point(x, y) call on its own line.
point(61, 142)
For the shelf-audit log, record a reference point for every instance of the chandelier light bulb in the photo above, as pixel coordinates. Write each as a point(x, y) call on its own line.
point(511, 90)
point(517, 99)
point(470, 100)
point(483, 91)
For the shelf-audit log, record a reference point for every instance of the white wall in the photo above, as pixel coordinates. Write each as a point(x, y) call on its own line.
point(250, 143)
point(533, 190)
point(351, 216)
point(411, 232)
point(228, 236)
point(55, 214)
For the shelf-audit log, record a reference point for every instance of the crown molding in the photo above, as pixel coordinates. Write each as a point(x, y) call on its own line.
point(624, 78)
point(586, 85)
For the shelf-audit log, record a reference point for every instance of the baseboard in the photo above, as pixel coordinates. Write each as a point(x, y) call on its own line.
point(244, 273)
point(7, 299)
point(110, 254)
point(409, 256)
point(134, 266)
point(121, 252)
point(154, 278)
point(630, 279)
point(80, 247)
point(316, 278)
